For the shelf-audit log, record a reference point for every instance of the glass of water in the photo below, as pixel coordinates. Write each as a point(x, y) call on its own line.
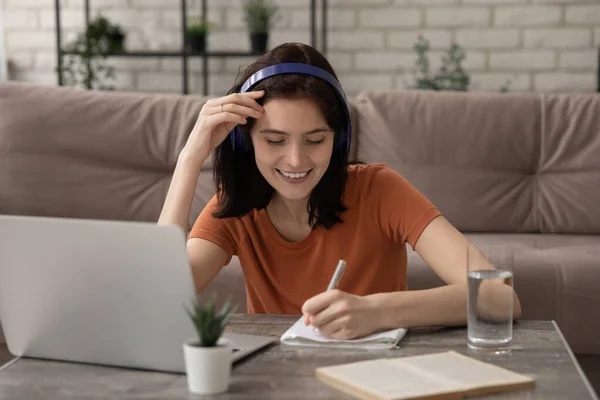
point(490, 298)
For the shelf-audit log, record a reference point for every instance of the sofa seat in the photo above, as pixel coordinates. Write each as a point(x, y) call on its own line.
point(556, 278)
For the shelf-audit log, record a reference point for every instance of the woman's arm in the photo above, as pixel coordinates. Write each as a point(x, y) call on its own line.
point(444, 249)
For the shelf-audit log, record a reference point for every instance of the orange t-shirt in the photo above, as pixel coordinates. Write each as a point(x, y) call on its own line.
point(384, 212)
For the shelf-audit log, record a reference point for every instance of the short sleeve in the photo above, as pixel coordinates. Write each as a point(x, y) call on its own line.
point(401, 210)
point(216, 230)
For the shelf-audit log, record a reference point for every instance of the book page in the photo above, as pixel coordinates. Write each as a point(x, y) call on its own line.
point(468, 372)
point(299, 331)
point(382, 378)
point(447, 375)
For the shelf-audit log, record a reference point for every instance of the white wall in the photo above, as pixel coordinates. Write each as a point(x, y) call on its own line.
point(3, 60)
point(543, 45)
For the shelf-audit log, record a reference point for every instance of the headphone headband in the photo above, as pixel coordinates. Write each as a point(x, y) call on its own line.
point(299, 68)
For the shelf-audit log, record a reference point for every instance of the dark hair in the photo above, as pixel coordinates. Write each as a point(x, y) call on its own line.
point(241, 187)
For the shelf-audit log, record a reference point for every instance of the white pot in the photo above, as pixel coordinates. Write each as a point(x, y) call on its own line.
point(208, 369)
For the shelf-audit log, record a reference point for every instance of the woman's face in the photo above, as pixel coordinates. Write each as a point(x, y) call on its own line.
point(292, 146)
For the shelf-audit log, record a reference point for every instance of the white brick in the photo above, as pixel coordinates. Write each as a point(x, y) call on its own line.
point(135, 64)
point(565, 82)
point(383, 61)
point(582, 14)
point(21, 59)
point(340, 62)
point(234, 64)
point(354, 82)
point(194, 64)
point(153, 4)
point(159, 82)
point(353, 40)
point(340, 19)
point(345, 3)
point(123, 81)
point(134, 18)
point(523, 61)
point(21, 19)
point(527, 16)
point(40, 78)
point(69, 19)
point(30, 40)
point(424, 2)
point(38, 4)
point(494, 2)
point(490, 38)
point(455, 17)
point(597, 37)
point(79, 4)
point(172, 19)
point(474, 61)
point(218, 84)
point(407, 39)
point(389, 18)
point(164, 41)
point(578, 60)
point(229, 41)
point(301, 36)
point(45, 61)
point(497, 81)
point(557, 38)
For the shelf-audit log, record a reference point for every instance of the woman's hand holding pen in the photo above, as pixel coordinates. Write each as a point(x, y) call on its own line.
point(340, 315)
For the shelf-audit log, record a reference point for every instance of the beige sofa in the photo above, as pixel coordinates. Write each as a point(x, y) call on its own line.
point(520, 170)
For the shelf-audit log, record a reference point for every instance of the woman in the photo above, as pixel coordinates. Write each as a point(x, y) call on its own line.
point(290, 206)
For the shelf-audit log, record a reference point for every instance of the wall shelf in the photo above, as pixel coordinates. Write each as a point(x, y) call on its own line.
point(183, 54)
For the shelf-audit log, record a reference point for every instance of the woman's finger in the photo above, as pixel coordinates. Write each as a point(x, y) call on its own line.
point(331, 327)
point(236, 109)
point(217, 119)
point(247, 99)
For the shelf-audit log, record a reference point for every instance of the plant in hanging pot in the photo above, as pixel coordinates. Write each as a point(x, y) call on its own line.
point(208, 356)
point(196, 33)
point(260, 16)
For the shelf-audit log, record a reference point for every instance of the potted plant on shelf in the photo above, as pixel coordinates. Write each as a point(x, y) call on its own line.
point(208, 356)
point(196, 33)
point(259, 16)
point(85, 64)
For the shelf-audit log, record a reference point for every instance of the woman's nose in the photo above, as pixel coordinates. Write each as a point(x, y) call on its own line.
point(294, 155)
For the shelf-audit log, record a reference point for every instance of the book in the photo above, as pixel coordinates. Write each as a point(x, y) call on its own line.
point(302, 335)
point(445, 375)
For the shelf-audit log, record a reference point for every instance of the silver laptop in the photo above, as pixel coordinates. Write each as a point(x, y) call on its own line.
point(101, 292)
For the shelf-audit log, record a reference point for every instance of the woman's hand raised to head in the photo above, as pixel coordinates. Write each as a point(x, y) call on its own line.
point(218, 117)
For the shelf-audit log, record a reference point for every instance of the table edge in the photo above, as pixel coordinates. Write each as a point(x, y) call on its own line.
point(574, 359)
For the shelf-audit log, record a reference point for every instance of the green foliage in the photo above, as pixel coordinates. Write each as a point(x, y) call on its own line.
point(450, 76)
point(210, 324)
point(86, 65)
point(198, 26)
point(260, 15)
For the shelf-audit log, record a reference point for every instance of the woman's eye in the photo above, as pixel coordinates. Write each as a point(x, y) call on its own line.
point(274, 142)
point(315, 141)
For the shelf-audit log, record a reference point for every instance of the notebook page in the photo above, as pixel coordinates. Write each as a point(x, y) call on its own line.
point(468, 372)
point(301, 334)
point(385, 379)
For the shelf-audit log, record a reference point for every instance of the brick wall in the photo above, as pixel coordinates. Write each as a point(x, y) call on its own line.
point(541, 45)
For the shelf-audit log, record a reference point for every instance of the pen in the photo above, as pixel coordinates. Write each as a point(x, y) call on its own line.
point(339, 270)
point(337, 274)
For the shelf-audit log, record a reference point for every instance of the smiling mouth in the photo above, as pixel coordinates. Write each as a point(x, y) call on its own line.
point(294, 175)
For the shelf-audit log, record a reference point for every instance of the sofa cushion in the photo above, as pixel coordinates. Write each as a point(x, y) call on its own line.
point(492, 162)
point(556, 278)
point(567, 190)
point(89, 154)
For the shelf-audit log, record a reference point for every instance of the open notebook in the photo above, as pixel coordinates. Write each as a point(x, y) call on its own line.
point(302, 335)
point(446, 375)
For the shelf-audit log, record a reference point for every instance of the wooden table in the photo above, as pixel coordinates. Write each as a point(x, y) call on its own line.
point(286, 372)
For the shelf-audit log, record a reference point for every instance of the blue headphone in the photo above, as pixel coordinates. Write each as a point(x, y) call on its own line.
point(298, 68)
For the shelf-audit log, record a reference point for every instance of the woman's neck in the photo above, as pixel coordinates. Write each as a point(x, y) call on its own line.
point(294, 211)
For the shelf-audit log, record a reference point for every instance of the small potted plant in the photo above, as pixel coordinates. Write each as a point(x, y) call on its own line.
point(196, 33)
point(259, 16)
point(208, 356)
point(116, 39)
